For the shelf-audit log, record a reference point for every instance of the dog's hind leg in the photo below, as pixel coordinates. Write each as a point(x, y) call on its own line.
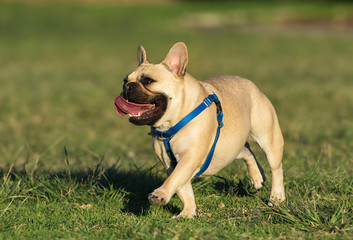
point(267, 133)
point(256, 173)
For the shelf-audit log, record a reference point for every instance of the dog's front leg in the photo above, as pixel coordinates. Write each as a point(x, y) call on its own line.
point(178, 181)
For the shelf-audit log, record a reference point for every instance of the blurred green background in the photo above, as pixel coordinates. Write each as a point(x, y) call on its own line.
point(62, 64)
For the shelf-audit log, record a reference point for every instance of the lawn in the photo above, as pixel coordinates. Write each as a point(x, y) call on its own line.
point(71, 168)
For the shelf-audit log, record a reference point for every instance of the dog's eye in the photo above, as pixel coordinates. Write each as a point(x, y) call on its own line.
point(146, 81)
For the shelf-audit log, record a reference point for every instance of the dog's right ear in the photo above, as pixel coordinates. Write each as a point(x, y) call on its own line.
point(141, 55)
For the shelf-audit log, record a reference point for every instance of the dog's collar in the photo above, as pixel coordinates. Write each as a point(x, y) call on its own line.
point(168, 134)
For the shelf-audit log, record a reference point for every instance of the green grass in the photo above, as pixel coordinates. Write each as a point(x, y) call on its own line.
point(71, 168)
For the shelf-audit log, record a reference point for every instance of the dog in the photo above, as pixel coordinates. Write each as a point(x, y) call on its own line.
point(233, 110)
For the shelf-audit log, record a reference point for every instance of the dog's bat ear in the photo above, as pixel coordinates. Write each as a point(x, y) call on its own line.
point(177, 59)
point(141, 55)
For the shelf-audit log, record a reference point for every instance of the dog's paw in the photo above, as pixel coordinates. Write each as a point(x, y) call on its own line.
point(158, 198)
point(185, 214)
point(257, 176)
point(258, 183)
point(257, 180)
point(277, 197)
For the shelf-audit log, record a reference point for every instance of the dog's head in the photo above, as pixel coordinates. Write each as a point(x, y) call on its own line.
point(152, 92)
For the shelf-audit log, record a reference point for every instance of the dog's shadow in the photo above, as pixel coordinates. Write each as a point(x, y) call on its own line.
point(134, 184)
point(220, 185)
point(140, 182)
point(137, 183)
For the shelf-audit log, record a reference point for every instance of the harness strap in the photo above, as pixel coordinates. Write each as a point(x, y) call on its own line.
point(168, 134)
point(173, 130)
point(247, 145)
point(170, 152)
point(210, 154)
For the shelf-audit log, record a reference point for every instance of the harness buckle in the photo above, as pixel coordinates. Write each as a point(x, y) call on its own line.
point(158, 136)
point(207, 102)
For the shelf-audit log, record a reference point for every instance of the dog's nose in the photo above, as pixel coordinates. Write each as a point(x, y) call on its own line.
point(129, 86)
point(128, 89)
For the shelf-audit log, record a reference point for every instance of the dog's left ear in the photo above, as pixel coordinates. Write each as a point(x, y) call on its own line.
point(141, 55)
point(177, 59)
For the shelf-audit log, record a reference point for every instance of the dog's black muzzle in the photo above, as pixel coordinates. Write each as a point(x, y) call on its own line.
point(133, 92)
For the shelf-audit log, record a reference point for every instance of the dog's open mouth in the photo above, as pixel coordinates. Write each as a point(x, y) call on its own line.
point(142, 113)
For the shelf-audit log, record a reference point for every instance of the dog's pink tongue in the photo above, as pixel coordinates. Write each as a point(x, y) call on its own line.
point(123, 107)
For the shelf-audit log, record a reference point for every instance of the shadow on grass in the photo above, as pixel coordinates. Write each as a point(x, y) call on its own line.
point(137, 183)
point(221, 185)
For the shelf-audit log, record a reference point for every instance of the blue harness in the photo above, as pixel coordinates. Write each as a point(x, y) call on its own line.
point(168, 134)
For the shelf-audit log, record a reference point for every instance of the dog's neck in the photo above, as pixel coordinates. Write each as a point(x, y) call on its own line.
point(194, 92)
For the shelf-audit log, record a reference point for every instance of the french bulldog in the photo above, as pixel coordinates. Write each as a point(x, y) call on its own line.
point(160, 95)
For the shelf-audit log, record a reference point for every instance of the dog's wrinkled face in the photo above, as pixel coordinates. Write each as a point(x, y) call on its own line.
point(141, 99)
point(149, 92)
